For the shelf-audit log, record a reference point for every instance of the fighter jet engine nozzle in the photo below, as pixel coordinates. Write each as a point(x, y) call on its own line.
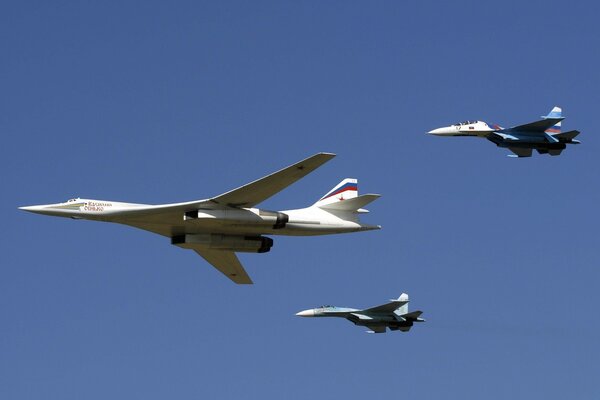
point(244, 244)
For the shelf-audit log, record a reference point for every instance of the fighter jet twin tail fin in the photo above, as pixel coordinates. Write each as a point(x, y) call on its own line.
point(397, 307)
point(554, 131)
point(549, 127)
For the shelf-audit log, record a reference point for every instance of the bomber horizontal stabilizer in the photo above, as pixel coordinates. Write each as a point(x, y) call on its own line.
point(352, 204)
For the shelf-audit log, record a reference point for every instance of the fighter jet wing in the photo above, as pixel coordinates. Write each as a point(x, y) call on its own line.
point(255, 192)
point(376, 328)
point(226, 262)
point(385, 308)
point(520, 152)
point(533, 128)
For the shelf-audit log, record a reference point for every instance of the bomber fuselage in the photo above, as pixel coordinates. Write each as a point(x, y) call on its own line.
point(189, 220)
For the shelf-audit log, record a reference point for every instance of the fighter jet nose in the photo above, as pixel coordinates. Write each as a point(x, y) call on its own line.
point(306, 313)
point(440, 131)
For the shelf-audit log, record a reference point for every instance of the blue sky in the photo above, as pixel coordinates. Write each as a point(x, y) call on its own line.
point(161, 102)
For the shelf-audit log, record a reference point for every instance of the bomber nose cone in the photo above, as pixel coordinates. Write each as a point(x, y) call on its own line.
point(31, 208)
point(306, 313)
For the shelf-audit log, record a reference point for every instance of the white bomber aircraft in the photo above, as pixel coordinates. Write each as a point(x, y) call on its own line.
point(218, 227)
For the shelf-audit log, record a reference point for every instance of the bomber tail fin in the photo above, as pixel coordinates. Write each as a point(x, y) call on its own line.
point(344, 197)
point(345, 190)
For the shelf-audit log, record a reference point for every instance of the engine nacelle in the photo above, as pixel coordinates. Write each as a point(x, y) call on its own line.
point(280, 219)
point(251, 216)
point(246, 244)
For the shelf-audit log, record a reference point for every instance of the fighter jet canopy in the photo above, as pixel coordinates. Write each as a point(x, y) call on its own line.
point(468, 123)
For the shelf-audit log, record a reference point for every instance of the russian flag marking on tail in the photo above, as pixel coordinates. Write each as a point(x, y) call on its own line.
point(348, 185)
point(555, 113)
point(346, 189)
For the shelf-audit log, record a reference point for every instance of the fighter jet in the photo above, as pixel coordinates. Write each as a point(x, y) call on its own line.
point(393, 315)
point(217, 227)
point(544, 135)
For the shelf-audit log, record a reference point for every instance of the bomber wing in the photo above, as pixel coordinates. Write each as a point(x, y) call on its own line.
point(226, 262)
point(258, 191)
point(167, 219)
point(223, 260)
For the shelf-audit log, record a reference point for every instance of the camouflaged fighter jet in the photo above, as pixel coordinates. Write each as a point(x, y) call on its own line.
point(544, 135)
point(218, 227)
point(393, 315)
